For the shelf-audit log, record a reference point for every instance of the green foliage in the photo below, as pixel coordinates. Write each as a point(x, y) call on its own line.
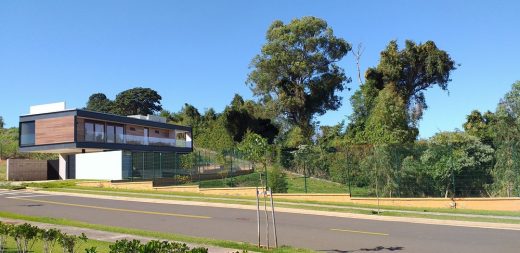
point(297, 72)
point(99, 102)
point(154, 246)
point(278, 180)
point(49, 237)
point(254, 147)
point(388, 122)
point(71, 243)
point(1, 122)
point(481, 126)
point(456, 156)
point(5, 231)
point(24, 235)
point(239, 121)
point(137, 101)
point(411, 70)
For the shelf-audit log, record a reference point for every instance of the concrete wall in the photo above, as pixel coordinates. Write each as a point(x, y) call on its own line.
point(26, 170)
point(100, 165)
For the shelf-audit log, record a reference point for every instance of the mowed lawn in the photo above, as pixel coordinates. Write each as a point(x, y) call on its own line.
point(296, 183)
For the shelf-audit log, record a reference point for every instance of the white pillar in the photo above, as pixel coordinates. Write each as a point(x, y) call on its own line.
point(63, 166)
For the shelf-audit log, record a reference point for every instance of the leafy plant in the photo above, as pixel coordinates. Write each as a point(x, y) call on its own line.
point(4, 234)
point(49, 237)
point(91, 250)
point(71, 243)
point(24, 235)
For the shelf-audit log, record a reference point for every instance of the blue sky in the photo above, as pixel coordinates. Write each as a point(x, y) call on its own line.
point(199, 51)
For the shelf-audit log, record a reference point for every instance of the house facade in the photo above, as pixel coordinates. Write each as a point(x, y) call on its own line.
point(93, 145)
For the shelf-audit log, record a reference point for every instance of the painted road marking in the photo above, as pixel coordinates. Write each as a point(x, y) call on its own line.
point(114, 209)
point(358, 232)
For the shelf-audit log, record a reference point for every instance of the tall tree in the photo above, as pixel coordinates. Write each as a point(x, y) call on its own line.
point(138, 100)
point(481, 126)
point(297, 71)
point(1, 122)
point(99, 102)
point(412, 70)
point(387, 122)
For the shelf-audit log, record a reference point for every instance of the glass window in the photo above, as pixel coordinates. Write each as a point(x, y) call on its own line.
point(99, 130)
point(89, 131)
point(120, 137)
point(111, 138)
point(27, 134)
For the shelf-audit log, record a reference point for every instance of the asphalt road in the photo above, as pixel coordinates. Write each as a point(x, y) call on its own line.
point(322, 233)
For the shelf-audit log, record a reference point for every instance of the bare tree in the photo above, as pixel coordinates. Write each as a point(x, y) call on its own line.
point(357, 56)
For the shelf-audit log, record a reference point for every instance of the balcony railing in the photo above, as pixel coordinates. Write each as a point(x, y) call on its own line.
point(139, 140)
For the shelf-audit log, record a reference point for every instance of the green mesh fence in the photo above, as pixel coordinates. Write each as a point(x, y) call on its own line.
point(412, 170)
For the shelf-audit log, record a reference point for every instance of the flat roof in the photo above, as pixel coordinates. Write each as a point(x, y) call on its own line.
point(102, 116)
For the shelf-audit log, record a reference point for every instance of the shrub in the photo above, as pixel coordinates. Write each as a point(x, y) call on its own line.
point(24, 236)
point(71, 243)
point(4, 234)
point(49, 238)
point(278, 181)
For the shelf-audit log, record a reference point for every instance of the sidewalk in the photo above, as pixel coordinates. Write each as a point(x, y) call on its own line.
point(108, 236)
point(457, 223)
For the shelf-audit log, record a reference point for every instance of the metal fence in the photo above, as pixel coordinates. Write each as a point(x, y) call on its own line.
point(172, 168)
point(413, 170)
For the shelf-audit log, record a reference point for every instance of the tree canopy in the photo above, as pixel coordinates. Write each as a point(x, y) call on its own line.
point(137, 101)
point(411, 70)
point(297, 71)
point(99, 102)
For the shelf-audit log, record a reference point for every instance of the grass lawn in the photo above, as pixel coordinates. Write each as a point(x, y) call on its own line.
point(295, 182)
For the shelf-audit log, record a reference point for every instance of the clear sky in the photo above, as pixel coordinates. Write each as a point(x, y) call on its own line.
point(198, 52)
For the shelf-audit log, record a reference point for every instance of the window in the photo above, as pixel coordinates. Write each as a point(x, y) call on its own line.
point(111, 134)
point(99, 132)
point(120, 134)
point(89, 131)
point(27, 133)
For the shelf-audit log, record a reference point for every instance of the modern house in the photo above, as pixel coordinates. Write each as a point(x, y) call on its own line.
point(93, 145)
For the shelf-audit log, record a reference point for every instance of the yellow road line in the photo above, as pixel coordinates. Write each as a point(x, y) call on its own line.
point(359, 232)
point(115, 209)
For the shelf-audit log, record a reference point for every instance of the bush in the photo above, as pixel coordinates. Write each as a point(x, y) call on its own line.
point(49, 237)
point(5, 230)
point(278, 180)
point(154, 246)
point(71, 243)
point(24, 236)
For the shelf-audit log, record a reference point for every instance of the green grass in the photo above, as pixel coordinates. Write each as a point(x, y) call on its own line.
point(151, 234)
point(38, 246)
point(337, 207)
point(295, 182)
point(249, 180)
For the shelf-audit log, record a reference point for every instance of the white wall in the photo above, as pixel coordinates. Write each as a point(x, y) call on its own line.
point(100, 165)
point(54, 107)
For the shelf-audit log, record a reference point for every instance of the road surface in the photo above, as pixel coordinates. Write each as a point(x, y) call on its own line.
point(321, 233)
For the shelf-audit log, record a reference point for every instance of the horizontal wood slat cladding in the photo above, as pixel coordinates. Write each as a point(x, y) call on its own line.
point(134, 130)
point(54, 130)
point(161, 133)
